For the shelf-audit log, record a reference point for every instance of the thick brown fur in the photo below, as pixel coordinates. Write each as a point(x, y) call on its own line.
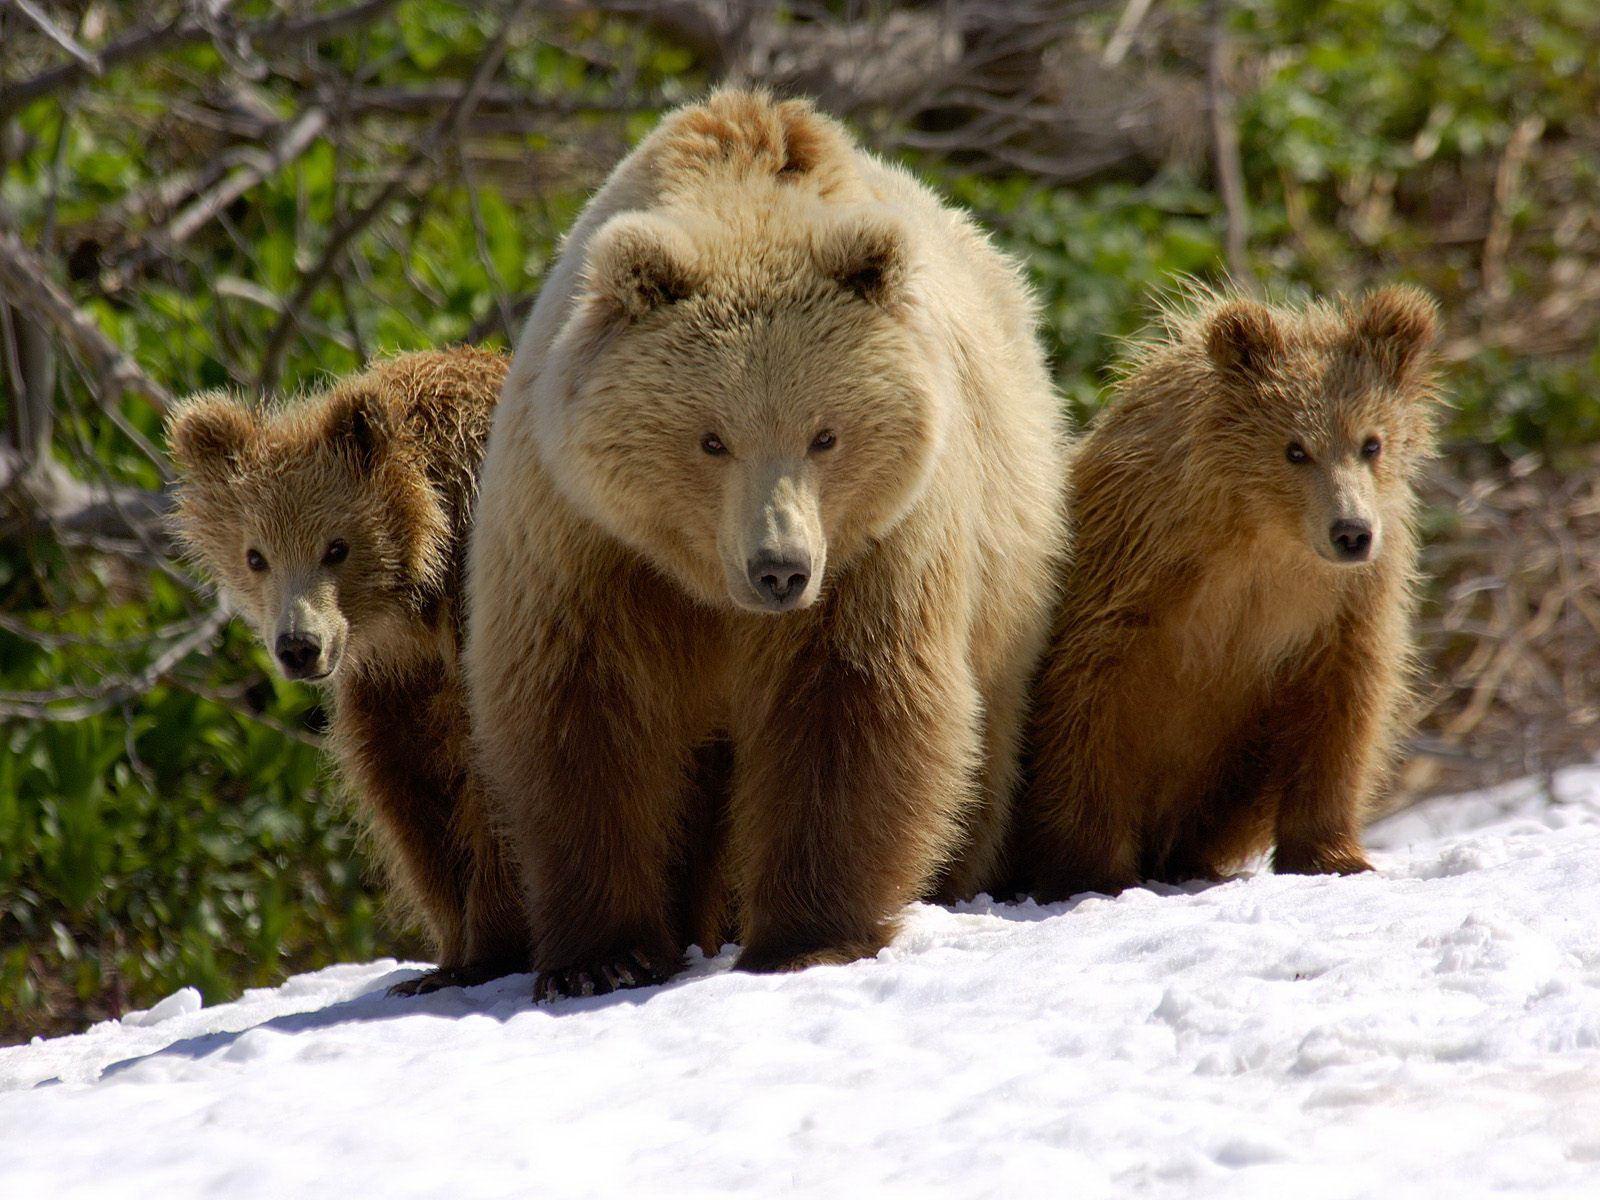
point(748, 273)
point(385, 463)
point(1215, 683)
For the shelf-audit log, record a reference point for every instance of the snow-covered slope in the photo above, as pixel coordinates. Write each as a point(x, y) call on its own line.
point(1430, 1030)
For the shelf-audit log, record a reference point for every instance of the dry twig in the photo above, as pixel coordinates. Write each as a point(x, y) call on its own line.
point(1225, 150)
point(187, 30)
point(447, 128)
point(88, 702)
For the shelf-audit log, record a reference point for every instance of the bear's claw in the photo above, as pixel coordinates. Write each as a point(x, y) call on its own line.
point(429, 981)
point(1335, 861)
point(631, 969)
point(468, 975)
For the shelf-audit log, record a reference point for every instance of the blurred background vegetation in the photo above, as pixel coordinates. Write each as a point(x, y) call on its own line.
point(261, 194)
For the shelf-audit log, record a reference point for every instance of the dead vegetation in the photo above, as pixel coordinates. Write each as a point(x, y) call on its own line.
point(1511, 627)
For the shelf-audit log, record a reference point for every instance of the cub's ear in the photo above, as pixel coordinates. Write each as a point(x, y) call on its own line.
point(867, 256)
point(639, 263)
point(1243, 340)
point(210, 434)
point(359, 423)
point(1396, 327)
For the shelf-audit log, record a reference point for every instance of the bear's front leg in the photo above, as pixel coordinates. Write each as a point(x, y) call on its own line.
point(497, 931)
point(1331, 731)
point(855, 762)
point(1080, 818)
point(584, 735)
point(1078, 830)
point(409, 779)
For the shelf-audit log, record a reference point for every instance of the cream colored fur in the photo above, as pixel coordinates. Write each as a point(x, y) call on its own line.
point(748, 272)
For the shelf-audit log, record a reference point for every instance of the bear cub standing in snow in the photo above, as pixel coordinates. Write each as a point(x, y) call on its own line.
point(778, 466)
point(1229, 662)
point(338, 525)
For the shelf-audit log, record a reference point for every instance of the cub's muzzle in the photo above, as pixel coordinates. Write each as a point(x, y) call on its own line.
point(300, 655)
point(1352, 541)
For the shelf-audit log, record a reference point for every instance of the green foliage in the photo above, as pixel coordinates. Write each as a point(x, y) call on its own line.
point(168, 842)
point(1383, 126)
point(1096, 258)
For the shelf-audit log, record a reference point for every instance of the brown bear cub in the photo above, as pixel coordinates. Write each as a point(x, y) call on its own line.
point(338, 526)
point(778, 468)
point(1228, 666)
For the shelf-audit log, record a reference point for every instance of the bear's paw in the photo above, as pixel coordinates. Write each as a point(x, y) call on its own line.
point(627, 969)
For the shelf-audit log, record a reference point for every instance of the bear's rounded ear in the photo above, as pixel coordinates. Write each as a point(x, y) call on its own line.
point(809, 139)
point(209, 434)
point(638, 263)
point(1243, 340)
point(359, 425)
point(867, 256)
point(1396, 327)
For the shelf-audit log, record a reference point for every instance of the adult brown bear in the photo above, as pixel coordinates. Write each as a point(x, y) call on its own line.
point(778, 461)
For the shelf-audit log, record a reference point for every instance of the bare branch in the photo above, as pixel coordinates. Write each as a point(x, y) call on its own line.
point(447, 128)
point(1225, 150)
point(188, 30)
point(30, 367)
point(41, 20)
point(44, 495)
point(254, 166)
point(25, 283)
point(1506, 179)
point(53, 641)
point(1122, 36)
point(48, 706)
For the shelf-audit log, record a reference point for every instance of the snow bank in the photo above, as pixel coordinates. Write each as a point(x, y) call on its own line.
point(1432, 1029)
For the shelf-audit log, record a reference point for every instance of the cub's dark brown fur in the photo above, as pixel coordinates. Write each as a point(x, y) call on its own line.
point(338, 526)
point(1229, 661)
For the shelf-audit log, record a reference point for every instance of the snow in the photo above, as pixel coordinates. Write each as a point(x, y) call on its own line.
point(1431, 1029)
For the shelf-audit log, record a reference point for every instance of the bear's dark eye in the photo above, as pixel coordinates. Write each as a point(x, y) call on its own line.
point(1371, 448)
point(1296, 453)
point(254, 560)
point(713, 446)
point(338, 550)
point(824, 440)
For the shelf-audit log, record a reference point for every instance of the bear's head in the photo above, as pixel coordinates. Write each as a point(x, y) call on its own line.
point(1319, 420)
point(316, 520)
point(749, 403)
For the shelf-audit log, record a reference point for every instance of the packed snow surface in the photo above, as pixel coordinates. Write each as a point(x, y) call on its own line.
point(1429, 1030)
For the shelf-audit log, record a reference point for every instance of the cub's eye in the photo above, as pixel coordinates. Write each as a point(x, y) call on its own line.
point(1296, 453)
point(338, 550)
point(254, 560)
point(713, 446)
point(824, 440)
point(1371, 448)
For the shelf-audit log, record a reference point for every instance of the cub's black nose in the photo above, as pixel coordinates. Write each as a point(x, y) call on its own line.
point(298, 652)
point(779, 582)
point(1352, 540)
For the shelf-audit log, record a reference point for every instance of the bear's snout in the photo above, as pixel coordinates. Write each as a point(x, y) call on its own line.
point(779, 583)
point(772, 544)
point(1352, 540)
point(300, 654)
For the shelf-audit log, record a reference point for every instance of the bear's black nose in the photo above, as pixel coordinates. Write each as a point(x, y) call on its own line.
point(298, 652)
point(1352, 540)
point(779, 582)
